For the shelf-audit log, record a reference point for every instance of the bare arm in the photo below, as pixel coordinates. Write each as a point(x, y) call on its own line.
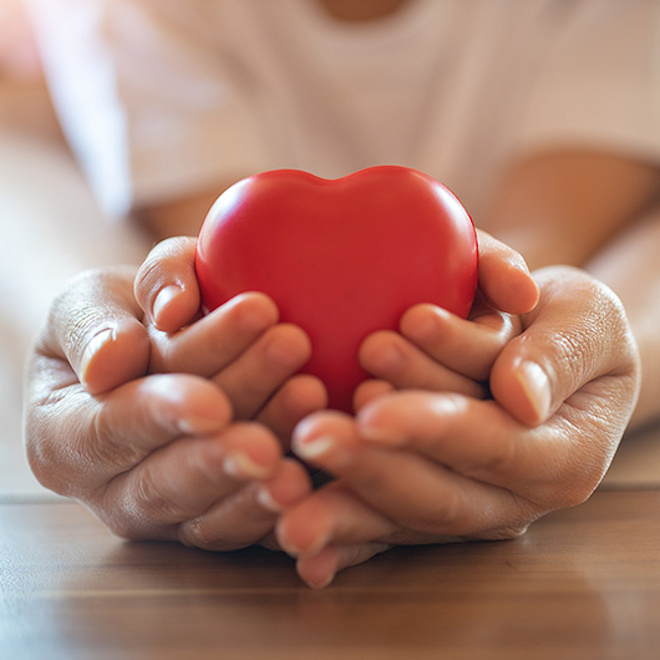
point(181, 216)
point(631, 267)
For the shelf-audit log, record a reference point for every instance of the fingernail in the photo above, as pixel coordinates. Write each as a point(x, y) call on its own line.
point(267, 501)
point(198, 425)
point(321, 584)
point(311, 547)
point(312, 448)
point(517, 262)
point(373, 431)
point(288, 547)
point(242, 466)
point(536, 386)
point(93, 347)
point(380, 436)
point(163, 299)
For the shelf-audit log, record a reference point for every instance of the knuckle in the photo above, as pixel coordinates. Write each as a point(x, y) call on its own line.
point(170, 257)
point(596, 338)
point(58, 466)
point(447, 517)
point(107, 446)
point(145, 504)
point(501, 458)
point(572, 485)
point(43, 463)
point(146, 278)
point(208, 531)
point(199, 533)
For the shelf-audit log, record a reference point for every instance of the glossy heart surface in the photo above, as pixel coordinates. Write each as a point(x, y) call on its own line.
point(341, 258)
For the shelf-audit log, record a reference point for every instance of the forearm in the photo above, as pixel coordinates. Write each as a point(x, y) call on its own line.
point(564, 207)
point(178, 217)
point(630, 266)
point(181, 216)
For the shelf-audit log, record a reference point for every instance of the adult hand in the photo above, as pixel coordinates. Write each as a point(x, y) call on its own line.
point(423, 467)
point(154, 456)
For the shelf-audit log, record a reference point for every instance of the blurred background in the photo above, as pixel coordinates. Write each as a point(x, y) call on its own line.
point(50, 226)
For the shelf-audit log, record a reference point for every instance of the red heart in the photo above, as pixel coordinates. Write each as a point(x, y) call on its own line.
point(341, 258)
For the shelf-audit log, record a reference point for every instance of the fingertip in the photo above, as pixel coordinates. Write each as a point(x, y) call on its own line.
point(305, 394)
point(195, 405)
point(252, 451)
point(522, 388)
point(174, 307)
point(114, 356)
point(535, 386)
point(425, 322)
point(253, 310)
point(303, 532)
point(285, 488)
point(319, 428)
point(368, 391)
point(376, 425)
point(319, 571)
point(289, 346)
point(504, 277)
point(524, 292)
point(166, 284)
point(509, 286)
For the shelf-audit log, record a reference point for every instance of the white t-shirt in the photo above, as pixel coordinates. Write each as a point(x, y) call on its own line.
point(163, 97)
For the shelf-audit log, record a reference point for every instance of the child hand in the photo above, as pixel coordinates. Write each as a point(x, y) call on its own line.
point(240, 346)
point(441, 352)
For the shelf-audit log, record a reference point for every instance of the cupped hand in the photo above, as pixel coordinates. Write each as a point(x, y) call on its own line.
point(424, 467)
point(241, 346)
point(154, 456)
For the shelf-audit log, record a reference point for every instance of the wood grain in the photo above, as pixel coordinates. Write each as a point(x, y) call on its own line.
point(583, 583)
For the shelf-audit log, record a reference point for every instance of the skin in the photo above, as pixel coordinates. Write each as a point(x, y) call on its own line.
point(198, 456)
point(201, 456)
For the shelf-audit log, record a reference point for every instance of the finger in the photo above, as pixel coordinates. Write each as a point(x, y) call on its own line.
point(431, 501)
point(298, 397)
point(214, 341)
point(135, 420)
point(554, 465)
point(182, 480)
point(319, 570)
point(94, 324)
point(248, 514)
point(389, 356)
point(504, 277)
point(329, 516)
point(577, 336)
point(166, 284)
point(369, 390)
point(256, 375)
point(108, 435)
point(468, 347)
point(289, 485)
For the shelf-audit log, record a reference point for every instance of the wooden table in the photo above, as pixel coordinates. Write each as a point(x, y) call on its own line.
point(583, 583)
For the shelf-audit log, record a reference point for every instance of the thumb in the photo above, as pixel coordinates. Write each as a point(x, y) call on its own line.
point(166, 284)
point(577, 334)
point(504, 278)
point(94, 324)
